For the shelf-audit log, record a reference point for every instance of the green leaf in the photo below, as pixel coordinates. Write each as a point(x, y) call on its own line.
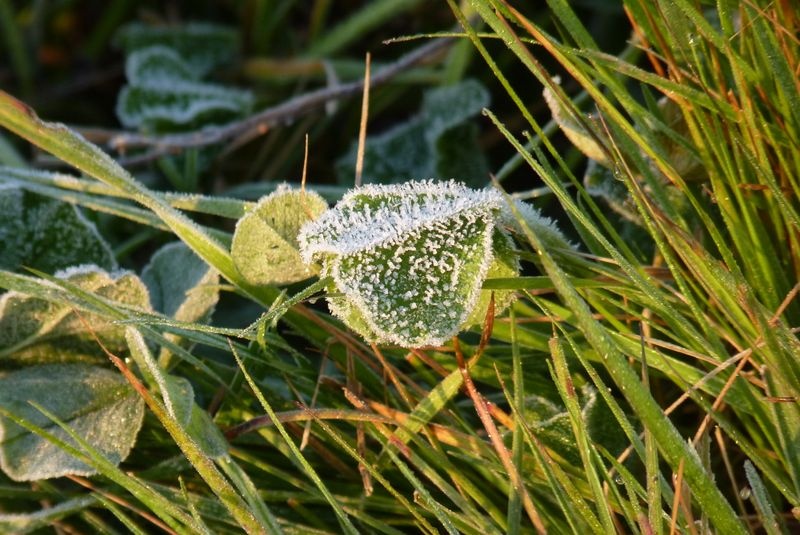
point(203, 46)
point(181, 285)
point(551, 424)
point(409, 259)
point(33, 330)
point(177, 394)
point(265, 248)
point(437, 142)
point(98, 404)
point(47, 235)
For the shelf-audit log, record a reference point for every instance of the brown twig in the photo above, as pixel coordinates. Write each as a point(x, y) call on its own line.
point(285, 111)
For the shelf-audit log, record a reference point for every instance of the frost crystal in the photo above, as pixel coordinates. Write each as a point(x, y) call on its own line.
point(409, 259)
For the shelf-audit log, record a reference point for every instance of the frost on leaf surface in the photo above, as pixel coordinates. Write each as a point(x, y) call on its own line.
point(544, 227)
point(46, 234)
point(98, 404)
point(409, 259)
point(35, 331)
point(167, 106)
point(265, 248)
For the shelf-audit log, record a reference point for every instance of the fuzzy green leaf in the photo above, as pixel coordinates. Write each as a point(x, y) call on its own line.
point(97, 403)
point(205, 433)
point(35, 331)
point(265, 248)
point(47, 235)
point(176, 392)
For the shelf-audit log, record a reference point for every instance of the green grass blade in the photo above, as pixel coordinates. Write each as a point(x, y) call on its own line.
point(673, 447)
point(344, 521)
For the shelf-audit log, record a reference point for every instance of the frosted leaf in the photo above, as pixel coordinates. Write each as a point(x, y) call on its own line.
point(157, 64)
point(573, 128)
point(46, 234)
point(409, 259)
point(98, 404)
point(164, 104)
point(504, 265)
point(265, 248)
point(181, 285)
point(34, 331)
point(437, 142)
point(202, 46)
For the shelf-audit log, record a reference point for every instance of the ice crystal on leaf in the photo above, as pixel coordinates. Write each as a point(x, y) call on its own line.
point(409, 260)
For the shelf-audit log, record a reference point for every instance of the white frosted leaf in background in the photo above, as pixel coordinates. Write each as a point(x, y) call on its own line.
point(156, 64)
point(166, 104)
point(97, 403)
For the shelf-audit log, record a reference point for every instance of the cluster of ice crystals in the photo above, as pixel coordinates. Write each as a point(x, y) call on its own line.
point(410, 259)
point(376, 214)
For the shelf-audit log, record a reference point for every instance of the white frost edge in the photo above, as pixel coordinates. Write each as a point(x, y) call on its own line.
point(139, 57)
point(360, 231)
